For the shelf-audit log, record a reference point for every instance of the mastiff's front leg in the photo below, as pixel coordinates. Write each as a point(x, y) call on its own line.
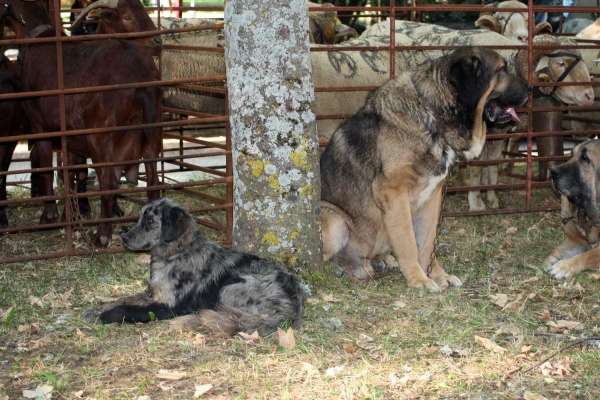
point(397, 219)
point(425, 224)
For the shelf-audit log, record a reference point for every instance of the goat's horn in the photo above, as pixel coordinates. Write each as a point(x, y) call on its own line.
point(522, 58)
point(97, 4)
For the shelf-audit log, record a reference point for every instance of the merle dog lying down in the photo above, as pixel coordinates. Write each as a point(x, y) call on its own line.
point(230, 291)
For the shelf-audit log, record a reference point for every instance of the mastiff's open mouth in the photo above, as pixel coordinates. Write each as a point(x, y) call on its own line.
point(495, 113)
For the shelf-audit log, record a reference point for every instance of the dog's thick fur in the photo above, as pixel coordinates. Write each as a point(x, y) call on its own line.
point(232, 291)
point(383, 171)
point(578, 182)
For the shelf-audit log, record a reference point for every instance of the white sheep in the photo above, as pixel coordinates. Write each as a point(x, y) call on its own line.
point(513, 25)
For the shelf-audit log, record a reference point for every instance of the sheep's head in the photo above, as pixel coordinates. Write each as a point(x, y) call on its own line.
point(513, 25)
point(559, 65)
point(121, 16)
point(591, 32)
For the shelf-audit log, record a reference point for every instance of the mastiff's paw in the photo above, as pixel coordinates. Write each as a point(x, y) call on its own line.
point(445, 281)
point(549, 263)
point(424, 283)
point(387, 263)
point(91, 316)
point(562, 270)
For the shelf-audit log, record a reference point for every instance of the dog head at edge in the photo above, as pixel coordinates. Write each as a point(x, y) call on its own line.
point(577, 179)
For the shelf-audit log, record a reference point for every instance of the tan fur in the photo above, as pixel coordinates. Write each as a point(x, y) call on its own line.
point(408, 151)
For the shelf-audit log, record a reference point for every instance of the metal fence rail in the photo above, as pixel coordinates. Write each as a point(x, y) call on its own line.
point(190, 148)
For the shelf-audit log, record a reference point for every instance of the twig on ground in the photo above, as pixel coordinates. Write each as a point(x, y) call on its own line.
point(565, 347)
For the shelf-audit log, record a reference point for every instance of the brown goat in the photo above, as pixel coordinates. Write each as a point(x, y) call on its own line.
point(13, 121)
point(119, 16)
point(96, 63)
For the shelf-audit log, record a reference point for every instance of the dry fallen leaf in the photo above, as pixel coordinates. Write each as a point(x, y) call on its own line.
point(535, 297)
point(399, 304)
point(39, 393)
point(533, 279)
point(490, 345)
point(310, 370)
point(199, 340)
point(348, 348)
point(570, 325)
point(329, 298)
point(164, 387)
point(533, 396)
point(500, 300)
point(513, 305)
point(286, 338)
point(80, 334)
point(250, 339)
point(595, 277)
point(78, 394)
point(35, 301)
point(545, 317)
point(526, 349)
point(202, 389)
point(511, 231)
point(578, 287)
point(4, 314)
point(170, 375)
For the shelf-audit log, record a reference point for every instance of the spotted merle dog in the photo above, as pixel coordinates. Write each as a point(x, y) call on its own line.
point(224, 291)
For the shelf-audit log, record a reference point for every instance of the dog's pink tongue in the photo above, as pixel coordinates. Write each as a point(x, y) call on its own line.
point(513, 116)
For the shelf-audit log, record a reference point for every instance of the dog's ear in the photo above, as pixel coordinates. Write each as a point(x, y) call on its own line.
point(172, 224)
point(465, 74)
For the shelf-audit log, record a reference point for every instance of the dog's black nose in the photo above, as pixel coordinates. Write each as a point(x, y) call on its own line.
point(124, 238)
point(555, 172)
point(529, 88)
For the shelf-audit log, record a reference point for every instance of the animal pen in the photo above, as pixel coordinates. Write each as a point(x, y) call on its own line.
point(195, 163)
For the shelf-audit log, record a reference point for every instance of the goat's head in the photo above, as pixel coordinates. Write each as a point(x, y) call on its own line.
point(7, 11)
point(591, 32)
point(513, 25)
point(558, 65)
point(121, 16)
point(325, 27)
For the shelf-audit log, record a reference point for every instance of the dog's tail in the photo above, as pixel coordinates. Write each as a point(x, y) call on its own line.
point(226, 321)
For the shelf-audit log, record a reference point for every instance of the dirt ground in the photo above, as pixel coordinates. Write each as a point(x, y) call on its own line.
point(359, 340)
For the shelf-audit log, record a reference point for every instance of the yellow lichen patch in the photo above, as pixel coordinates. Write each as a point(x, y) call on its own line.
point(273, 182)
point(271, 239)
point(308, 191)
point(257, 167)
point(295, 234)
point(299, 157)
point(256, 232)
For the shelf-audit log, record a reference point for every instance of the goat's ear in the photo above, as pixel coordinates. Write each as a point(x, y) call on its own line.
point(542, 76)
point(172, 223)
point(542, 63)
point(489, 23)
point(542, 28)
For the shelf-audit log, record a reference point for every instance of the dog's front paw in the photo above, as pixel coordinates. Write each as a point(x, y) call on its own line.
point(562, 270)
point(445, 281)
point(549, 263)
point(424, 283)
point(387, 263)
point(91, 316)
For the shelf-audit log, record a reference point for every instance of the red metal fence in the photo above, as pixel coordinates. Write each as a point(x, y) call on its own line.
point(195, 162)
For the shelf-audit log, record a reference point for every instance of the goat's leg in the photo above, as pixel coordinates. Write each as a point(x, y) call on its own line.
point(108, 181)
point(46, 179)
point(6, 152)
point(81, 176)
